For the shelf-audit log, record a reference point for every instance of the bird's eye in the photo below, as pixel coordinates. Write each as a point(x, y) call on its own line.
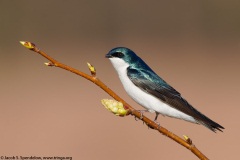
point(118, 54)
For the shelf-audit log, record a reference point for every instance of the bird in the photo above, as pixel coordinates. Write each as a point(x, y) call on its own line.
point(149, 90)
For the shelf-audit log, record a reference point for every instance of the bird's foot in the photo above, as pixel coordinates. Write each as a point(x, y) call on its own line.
point(157, 124)
point(141, 114)
point(155, 120)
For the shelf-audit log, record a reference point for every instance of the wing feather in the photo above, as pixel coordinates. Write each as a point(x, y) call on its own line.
point(151, 83)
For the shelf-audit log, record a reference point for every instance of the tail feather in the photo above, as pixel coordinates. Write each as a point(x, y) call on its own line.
point(213, 126)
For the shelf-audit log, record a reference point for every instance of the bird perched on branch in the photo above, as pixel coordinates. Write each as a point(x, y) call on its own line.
point(149, 90)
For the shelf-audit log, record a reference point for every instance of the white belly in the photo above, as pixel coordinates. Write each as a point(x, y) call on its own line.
point(148, 101)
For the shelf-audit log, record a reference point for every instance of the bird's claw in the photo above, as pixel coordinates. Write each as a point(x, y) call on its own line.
point(141, 115)
point(136, 119)
point(157, 124)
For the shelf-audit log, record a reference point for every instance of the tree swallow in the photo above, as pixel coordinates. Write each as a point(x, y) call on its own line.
point(149, 90)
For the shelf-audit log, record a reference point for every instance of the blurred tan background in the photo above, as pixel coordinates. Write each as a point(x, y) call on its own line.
point(44, 111)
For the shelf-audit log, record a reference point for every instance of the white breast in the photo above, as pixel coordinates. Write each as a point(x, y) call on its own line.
point(148, 101)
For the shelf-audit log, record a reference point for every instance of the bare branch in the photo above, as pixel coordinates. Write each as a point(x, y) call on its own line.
point(187, 142)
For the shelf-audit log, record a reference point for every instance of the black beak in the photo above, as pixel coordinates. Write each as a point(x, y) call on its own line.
point(108, 56)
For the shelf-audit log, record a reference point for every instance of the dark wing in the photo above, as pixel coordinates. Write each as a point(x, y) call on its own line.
point(151, 83)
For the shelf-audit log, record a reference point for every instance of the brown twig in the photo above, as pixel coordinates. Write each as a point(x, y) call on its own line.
point(186, 143)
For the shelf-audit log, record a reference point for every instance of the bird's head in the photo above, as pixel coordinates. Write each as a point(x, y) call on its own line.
point(121, 57)
point(122, 53)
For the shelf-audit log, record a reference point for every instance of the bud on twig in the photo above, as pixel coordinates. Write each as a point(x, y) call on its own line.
point(187, 139)
point(49, 64)
point(115, 107)
point(28, 45)
point(92, 69)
